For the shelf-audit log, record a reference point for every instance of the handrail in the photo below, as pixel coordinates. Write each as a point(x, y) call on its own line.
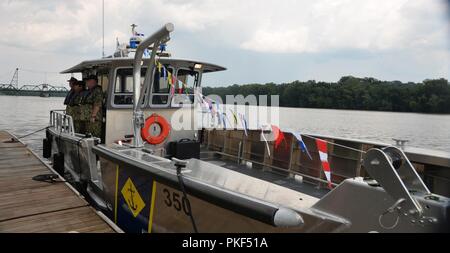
point(352, 159)
point(62, 122)
point(138, 116)
point(276, 168)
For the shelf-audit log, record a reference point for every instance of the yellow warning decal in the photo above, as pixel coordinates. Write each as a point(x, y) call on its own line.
point(132, 197)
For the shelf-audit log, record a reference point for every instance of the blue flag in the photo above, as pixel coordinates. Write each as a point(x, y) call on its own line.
point(302, 144)
point(224, 119)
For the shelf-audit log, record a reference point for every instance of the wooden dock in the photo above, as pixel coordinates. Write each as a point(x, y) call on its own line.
point(32, 206)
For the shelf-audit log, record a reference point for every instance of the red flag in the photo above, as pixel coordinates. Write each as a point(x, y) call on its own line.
point(279, 136)
point(323, 153)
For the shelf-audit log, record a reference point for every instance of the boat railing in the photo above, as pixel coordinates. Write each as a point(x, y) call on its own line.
point(288, 158)
point(62, 122)
point(345, 157)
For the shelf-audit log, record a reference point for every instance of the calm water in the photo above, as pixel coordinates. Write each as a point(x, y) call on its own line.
point(22, 115)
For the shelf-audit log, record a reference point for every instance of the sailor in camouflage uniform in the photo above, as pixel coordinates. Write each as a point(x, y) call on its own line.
point(76, 104)
point(92, 107)
point(69, 109)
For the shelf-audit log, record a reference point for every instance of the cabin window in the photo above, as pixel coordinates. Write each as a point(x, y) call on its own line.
point(103, 79)
point(184, 88)
point(123, 87)
point(161, 87)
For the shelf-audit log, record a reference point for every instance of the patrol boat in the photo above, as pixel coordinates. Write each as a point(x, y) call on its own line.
point(148, 176)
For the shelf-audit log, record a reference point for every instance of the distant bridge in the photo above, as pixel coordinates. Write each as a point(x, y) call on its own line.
point(43, 90)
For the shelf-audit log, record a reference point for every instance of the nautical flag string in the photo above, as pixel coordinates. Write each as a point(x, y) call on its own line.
point(246, 128)
point(219, 114)
point(172, 90)
point(225, 118)
point(159, 67)
point(171, 79)
point(199, 97)
point(207, 102)
point(265, 140)
point(301, 144)
point(279, 136)
point(164, 73)
point(323, 153)
point(210, 106)
point(243, 123)
point(214, 110)
point(217, 106)
point(219, 118)
point(234, 117)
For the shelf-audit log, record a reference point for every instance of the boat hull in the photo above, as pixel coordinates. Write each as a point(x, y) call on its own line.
point(353, 206)
point(164, 209)
point(223, 200)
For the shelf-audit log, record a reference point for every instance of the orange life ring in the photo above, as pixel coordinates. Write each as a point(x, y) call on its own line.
point(163, 124)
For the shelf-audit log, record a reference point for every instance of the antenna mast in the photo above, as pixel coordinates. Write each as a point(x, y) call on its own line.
point(103, 28)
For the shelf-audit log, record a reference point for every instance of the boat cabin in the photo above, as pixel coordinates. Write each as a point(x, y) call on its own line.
point(115, 76)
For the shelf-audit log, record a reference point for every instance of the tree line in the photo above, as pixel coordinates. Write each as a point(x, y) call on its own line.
point(429, 96)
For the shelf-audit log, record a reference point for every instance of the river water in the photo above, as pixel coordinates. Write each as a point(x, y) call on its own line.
point(22, 115)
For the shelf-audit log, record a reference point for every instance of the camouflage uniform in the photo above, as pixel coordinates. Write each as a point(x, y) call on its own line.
point(94, 97)
point(67, 101)
point(76, 104)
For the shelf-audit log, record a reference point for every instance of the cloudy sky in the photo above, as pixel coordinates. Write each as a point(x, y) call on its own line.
point(258, 41)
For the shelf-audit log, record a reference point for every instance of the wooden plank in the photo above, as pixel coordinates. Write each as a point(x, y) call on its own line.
point(27, 205)
point(42, 199)
point(19, 162)
point(4, 144)
point(26, 171)
point(13, 152)
point(80, 220)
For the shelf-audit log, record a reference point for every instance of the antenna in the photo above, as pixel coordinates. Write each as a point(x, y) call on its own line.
point(133, 29)
point(103, 28)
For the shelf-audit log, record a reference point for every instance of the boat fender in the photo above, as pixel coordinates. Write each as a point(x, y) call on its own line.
point(58, 163)
point(163, 124)
point(285, 217)
point(46, 148)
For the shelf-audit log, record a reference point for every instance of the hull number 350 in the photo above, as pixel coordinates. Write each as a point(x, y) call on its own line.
point(175, 200)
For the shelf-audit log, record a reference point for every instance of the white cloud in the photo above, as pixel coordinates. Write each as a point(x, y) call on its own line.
point(269, 26)
point(73, 28)
point(314, 26)
point(268, 40)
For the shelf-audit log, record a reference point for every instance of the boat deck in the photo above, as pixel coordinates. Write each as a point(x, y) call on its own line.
point(27, 205)
point(269, 176)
